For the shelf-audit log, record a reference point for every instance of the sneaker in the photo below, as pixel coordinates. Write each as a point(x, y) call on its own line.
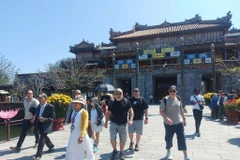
point(114, 154)
point(95, 149)
point(121, 156)
point(131, 146)
point(15, 149)
point(187, 158)
point(169, 156)
point(136, 147)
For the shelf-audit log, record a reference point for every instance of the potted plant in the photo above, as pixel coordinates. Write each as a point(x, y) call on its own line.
point(61, 102)
point(232, 108)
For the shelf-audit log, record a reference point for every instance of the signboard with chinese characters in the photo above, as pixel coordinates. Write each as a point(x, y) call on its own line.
point(169, 52)
point(125, 64)
point(175, 54)
point(197, 58)
point(158, 55)
point(152, 51)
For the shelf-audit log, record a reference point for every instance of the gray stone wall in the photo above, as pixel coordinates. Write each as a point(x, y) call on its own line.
point(146, 85)
point(230, 82)
point(192, 80)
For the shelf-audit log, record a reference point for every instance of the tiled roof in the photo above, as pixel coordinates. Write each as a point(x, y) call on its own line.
point(168, 29)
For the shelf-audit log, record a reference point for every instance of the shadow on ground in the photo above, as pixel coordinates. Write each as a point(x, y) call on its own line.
point(234, 141)
point(9, 151)
point(23, 158)
point(128, 155)
point(190, 136)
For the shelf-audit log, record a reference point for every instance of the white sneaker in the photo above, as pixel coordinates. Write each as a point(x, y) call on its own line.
point(187, 158)
point(169, 156)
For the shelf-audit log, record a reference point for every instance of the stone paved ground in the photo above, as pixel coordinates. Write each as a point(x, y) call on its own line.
point(218, 141)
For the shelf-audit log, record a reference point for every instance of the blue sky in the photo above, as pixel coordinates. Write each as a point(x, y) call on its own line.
point(36, 32)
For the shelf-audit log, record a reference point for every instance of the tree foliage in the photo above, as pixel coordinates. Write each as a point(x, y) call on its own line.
point(7, 70)
point(70, 74)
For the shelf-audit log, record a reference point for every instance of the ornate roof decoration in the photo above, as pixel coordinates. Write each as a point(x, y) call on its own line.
point(226, 18)
point(140, 27)
point(165, 24)
point(82, 46)
point(234, 30)
point(195, 19)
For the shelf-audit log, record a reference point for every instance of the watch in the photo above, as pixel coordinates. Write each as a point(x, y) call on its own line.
point(146, 118)
point(184, 118)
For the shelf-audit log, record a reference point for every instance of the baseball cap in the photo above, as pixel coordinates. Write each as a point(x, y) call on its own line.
point(173, 87)
point(136, 89)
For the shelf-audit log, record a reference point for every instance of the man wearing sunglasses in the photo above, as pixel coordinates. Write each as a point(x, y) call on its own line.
point(118, 114)
point(171, 110)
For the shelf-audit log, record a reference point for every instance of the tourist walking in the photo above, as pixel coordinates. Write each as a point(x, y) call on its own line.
point(71, 108)
point(214, 107)
point(140, 109)
point(97, 121)
point(197, 101)
point(43, 122)
point(118, 111)
point(30, 105)
point(79, 143)
point(220, 104)
point(106, 98)
point(171, 110)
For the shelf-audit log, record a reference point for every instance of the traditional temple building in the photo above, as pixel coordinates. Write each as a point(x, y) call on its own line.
point(158, 51)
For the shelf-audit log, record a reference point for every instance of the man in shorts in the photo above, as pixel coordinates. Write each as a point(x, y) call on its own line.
point(118, 111)
point(140, 109)
point(171, 109)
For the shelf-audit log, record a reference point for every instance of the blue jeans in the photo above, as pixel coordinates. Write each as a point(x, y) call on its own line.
point(179, 130)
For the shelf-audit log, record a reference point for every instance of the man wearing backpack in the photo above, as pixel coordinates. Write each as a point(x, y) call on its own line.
point(140, 109)
point(118, 111)
point(171, 112)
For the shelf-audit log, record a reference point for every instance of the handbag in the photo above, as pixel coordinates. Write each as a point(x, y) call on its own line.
point(200, 105)
point(89, 129)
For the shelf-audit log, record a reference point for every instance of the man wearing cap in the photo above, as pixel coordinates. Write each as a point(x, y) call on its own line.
point(45, 114)
point(170, 110)
point(140, 109)
point(118, 111)
point(71, 107)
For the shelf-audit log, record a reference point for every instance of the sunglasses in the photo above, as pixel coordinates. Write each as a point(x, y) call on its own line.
point(172, 91)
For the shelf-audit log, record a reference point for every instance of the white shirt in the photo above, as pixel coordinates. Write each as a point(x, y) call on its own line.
point(93, 115)
point(199, 98)
point(42, 109)
point(27, 105)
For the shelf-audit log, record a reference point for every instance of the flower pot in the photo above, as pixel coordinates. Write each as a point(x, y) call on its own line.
point(58, 124)
point(232, 117)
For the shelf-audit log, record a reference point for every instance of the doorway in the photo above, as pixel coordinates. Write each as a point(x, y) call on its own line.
point(161, 86)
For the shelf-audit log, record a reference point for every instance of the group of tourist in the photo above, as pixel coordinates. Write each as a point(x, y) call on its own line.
point(120, 115)
point(217, 102)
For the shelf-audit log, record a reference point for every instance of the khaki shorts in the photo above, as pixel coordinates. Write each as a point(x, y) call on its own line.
point(137, 127)
point(120, 129)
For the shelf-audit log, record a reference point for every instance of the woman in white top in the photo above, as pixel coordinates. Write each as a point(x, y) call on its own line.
point(96, 117)
point(79, 144)
point(196, 100)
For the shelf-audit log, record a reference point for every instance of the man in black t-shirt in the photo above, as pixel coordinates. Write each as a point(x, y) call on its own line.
point(140, 109)
point(118, 111)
